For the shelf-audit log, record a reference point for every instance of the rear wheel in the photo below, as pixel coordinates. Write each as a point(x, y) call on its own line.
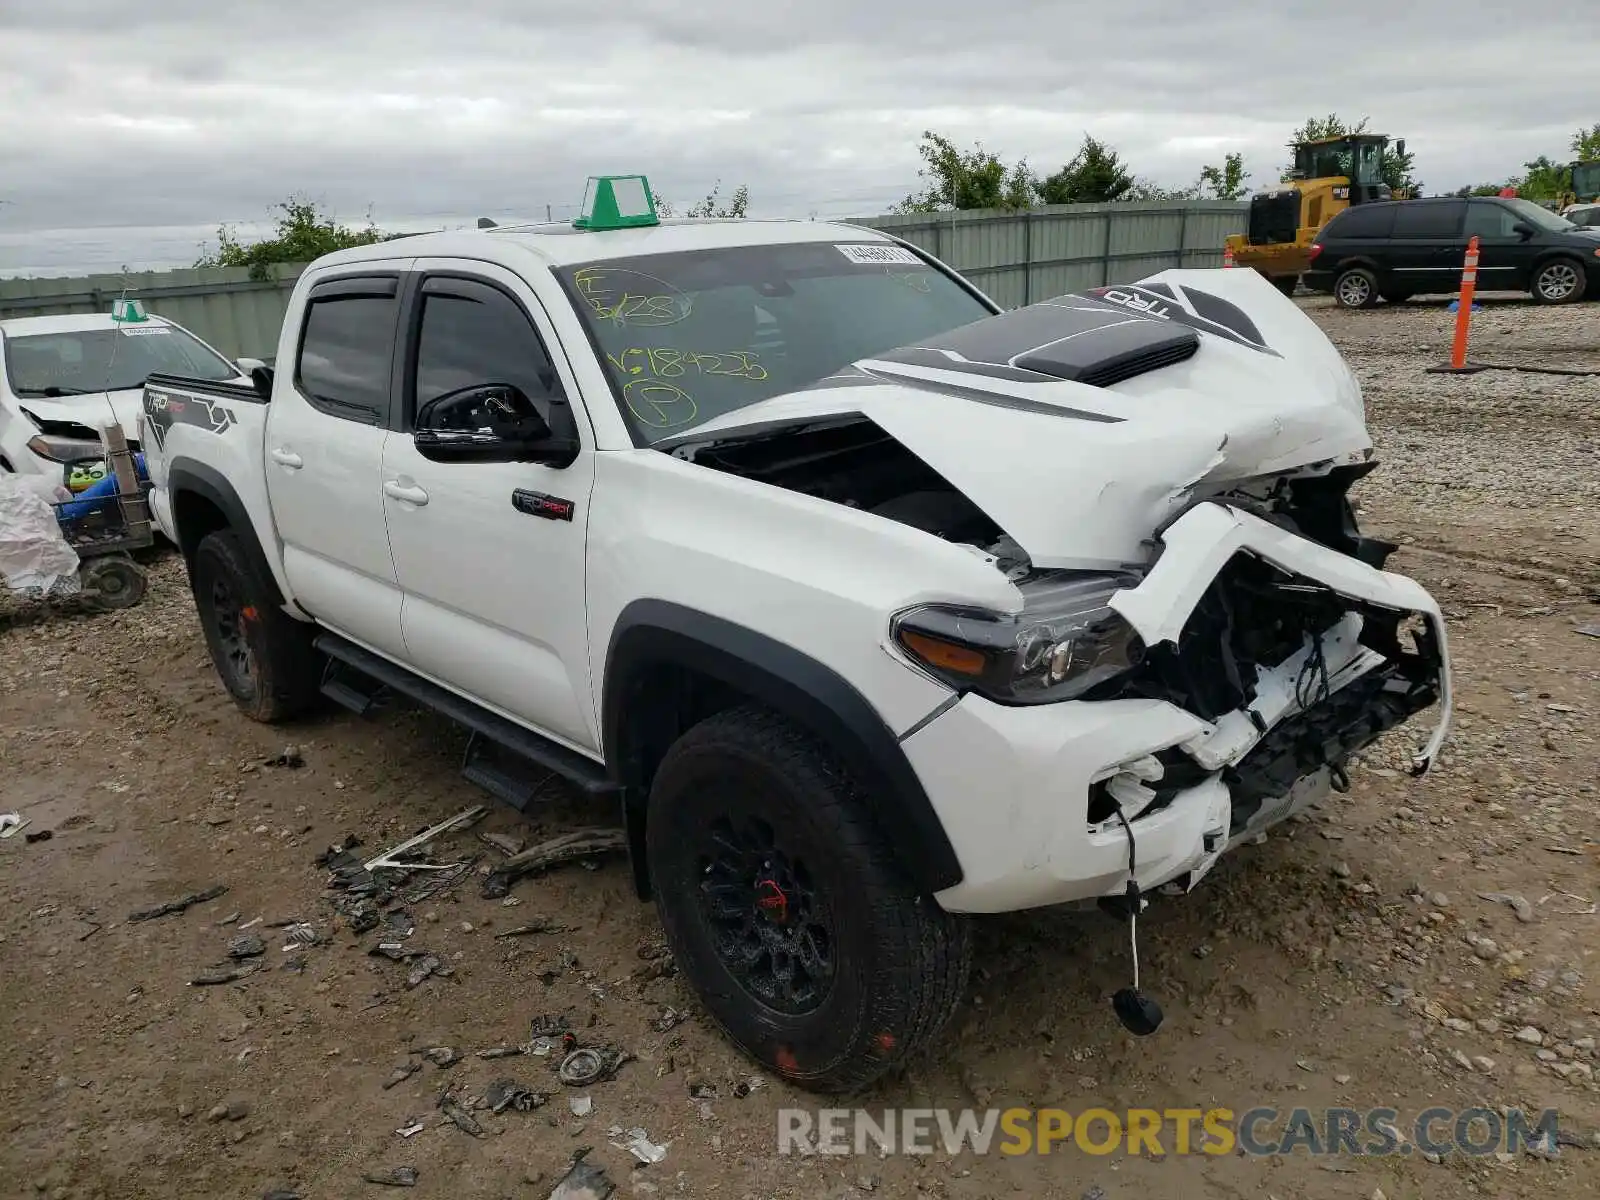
point(113, 582)
point(264, 657)
point(1559, 281)
point(1355, 288)
point(786, 910)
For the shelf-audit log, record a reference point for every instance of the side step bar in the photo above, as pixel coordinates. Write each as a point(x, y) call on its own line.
point(482, 764)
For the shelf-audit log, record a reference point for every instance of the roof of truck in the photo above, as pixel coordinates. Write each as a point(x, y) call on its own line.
point(559, 244)
point(71, 323)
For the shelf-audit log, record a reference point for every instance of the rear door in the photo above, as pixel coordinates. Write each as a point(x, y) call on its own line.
point(1427, 245)
point(324, 453)
point(1504, 258)
point(490, 556)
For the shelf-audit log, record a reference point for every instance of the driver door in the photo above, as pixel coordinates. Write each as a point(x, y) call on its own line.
point(490, 556)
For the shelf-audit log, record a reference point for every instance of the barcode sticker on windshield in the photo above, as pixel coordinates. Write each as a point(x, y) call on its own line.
point(144, 331)
point(875, 255)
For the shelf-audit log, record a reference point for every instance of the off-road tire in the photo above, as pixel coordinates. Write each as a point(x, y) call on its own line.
point(263, 656)
point(1559, 281)
point(899, 961)
point(1287, 284)
point(1356, 287)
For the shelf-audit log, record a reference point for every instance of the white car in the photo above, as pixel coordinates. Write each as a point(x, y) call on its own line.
point(873, 607)
point(62, 378)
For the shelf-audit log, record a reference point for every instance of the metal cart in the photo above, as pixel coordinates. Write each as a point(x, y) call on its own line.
point(106, 529)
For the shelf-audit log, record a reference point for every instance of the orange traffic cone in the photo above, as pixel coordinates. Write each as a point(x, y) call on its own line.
point(1227, 256)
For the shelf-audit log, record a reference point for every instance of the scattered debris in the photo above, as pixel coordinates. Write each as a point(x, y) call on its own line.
point(1589, 630)
point(582, 1067)
point(1518, 904)
point(391, 859)
point(411, 1128)
point(669, 1020)
point(223, 975)
point(10, 823)
point(43, 835)
point(549, 1025)
point(569, 847)
point(430, 965)
point(402, 1073)
point(246, 945)
point(173, 907)
point(501, 1052)
point(394, 1177)
point(638, 1143)
point(235, 1109)
point(458, 1116)
point(741, 1090)
point(443, 1056)
point(93, 929)
point(581, 1106)
point(230, 919)
point(281, 1194)
point(508, 1093)
point(299, 936)
point(584, 1182)
point(503, 842)
point(537, 925)
point(702, 1091)
point(290, 759)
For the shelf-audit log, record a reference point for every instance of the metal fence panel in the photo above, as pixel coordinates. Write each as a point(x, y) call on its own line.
point(1016, 258)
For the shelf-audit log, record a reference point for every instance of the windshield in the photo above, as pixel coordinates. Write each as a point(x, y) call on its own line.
point(1586, 180)
point(107, 360)
point(692, 335)
point(1537, 215)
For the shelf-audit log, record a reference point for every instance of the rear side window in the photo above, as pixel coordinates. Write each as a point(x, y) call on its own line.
point(347, 348)
point(1429, 220)
point(1490, 221)
point(1362, 221)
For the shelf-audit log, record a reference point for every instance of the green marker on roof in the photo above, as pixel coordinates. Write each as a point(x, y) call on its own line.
point(617, 202)
point(128, 310)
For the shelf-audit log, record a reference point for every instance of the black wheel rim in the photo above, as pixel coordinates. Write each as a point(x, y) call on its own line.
point(231, 641)
point(769, 923)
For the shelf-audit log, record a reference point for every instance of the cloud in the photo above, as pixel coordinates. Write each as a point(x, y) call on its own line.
point(193, 112)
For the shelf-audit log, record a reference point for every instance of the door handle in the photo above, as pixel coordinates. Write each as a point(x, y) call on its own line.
point(288, 458)
point(400, 491)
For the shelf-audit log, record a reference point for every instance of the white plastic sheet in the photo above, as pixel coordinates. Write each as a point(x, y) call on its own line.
point(35, 559)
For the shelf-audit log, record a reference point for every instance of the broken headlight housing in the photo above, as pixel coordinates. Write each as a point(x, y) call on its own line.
point(1065, 640)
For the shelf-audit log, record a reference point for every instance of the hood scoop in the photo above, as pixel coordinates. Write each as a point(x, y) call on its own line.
point(1073, 338)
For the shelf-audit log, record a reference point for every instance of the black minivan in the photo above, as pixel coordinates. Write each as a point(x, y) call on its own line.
point(1397, 249)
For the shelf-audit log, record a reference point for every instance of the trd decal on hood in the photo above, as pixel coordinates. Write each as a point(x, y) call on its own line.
point(1187, 306)
point(163, 410)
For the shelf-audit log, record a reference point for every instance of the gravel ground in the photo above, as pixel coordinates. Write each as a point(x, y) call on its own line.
point(1350, 960)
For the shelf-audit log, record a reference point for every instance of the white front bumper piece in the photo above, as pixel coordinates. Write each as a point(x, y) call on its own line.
point(1012, 784)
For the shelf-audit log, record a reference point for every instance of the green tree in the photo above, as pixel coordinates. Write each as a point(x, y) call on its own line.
point(303, 232)
point(1543, 180)
point(1585, 144)
point(1226, 182)
point(967, 179)
point(737, 206)
point(1096, 175)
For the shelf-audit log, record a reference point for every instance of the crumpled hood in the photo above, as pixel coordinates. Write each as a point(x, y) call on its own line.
point(90, 410)
point(1195, 380)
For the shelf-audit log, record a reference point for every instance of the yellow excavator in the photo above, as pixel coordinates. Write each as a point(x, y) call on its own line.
point(1328, 176)
point(1585, 187)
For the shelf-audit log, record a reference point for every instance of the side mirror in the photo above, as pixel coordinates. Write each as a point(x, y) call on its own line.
point(248, 365)
point(494, 422)
point(261, 378)
point(1523, 230)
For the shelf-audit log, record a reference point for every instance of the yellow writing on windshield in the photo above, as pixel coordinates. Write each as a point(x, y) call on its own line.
point(631, 297)
point(668, 363)
point(659, 404)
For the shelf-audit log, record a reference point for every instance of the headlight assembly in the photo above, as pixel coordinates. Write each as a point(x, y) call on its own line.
point(1064, 641)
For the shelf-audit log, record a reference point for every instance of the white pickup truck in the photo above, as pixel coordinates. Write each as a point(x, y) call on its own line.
point(873, 606)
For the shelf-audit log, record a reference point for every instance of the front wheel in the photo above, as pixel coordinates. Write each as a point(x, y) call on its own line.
point(263, 656)
point(1559, 281)
point(1356, 288)
point(787, 911)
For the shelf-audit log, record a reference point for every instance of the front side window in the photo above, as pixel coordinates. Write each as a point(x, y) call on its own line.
point(1538, 216)
point(474, 335)
point(107, 360)
point(1488, 220)
point(689, 336)
point(346, 350)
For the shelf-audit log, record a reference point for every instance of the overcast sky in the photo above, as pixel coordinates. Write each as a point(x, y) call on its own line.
point(191, 112)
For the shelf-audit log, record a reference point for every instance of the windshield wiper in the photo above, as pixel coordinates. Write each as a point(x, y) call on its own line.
point(53, 391)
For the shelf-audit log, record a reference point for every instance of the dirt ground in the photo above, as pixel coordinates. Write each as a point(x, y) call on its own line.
point(1348, 961)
